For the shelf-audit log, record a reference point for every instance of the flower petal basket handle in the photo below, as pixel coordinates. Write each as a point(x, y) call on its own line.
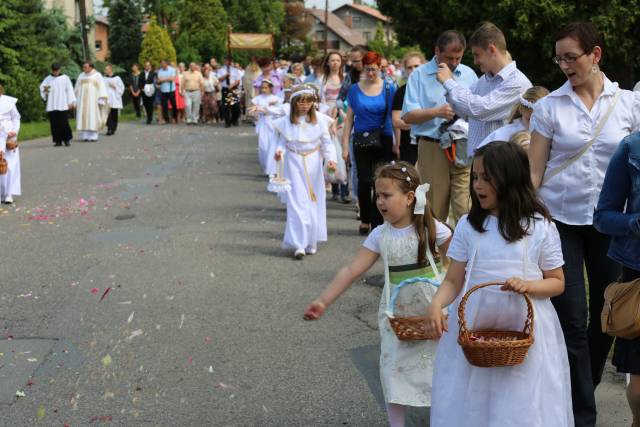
point(489, 349)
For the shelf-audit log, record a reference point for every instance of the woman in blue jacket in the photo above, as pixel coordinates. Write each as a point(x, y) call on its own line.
point(618, 215)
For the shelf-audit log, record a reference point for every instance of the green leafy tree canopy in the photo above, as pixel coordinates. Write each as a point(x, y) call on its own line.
point(156, 45)
point(204, 24)
point(125, 38)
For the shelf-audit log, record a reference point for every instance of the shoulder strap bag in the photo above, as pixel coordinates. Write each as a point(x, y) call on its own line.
point(553, 172)
point(373, 139)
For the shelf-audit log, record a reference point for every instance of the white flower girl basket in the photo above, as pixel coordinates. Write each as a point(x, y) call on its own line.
point(279, 184)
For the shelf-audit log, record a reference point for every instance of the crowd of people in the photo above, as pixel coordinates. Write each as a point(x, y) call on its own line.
point(456, 177)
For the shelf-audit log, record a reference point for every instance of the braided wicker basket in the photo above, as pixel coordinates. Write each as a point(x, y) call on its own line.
point(12, 145)
point(4, 167)
point(489, 349)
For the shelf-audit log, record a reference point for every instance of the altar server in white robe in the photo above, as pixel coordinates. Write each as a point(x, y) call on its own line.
point(9, 127)
point(56, 89)
point(93, 107)
point(304, 141)
point(115, 89)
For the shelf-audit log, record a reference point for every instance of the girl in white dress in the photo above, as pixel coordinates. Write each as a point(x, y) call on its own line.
point(9, 127)
point(406, 240)
point(508, 238)
point(263, 106)
point(304, 140)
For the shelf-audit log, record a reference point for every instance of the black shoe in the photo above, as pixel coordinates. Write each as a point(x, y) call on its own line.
point(363, 229)
point(109, 133)
point(57, 144)
point(227, 125)
point(67, 143)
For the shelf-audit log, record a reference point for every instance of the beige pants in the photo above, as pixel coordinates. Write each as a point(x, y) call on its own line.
point(449, 184)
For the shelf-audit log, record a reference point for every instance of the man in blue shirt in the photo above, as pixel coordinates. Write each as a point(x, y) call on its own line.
point(425, 108)
point(166, 76)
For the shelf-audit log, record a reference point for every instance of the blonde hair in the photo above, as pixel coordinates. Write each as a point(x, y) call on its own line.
point(522, 138)
point(533, 95)
point(295, 100)
point(413, 54)
point(488, 33)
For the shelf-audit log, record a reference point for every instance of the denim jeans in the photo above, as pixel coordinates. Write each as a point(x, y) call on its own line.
point(587, 346)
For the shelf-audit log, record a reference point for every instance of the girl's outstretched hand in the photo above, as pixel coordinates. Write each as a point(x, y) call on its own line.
point(278, 155)
point(436, 322)
point(314, 310)
point(516, 284)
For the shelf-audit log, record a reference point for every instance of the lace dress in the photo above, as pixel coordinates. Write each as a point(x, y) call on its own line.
point(406, 367)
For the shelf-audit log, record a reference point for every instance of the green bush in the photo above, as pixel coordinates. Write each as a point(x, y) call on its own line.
point(157, 45)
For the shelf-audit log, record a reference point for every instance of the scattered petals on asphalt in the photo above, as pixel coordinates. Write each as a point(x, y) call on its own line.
point(207, 339)
point(41, 412)
point(106, 361)
point(32, 359)
point(181, 321)
point(106, 292)
point(101, 418)
point(190, 360)
point(20, 393)
point(134, 334)
point(211, 369)
point(125, 302)
point(222, 386)
point(95, 290)
point(130, 317)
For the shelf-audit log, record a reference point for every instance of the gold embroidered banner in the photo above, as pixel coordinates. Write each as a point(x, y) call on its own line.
point(250, 41)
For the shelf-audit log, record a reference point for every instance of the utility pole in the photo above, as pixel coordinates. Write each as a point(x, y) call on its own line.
point(326, 27)
point(84, 27)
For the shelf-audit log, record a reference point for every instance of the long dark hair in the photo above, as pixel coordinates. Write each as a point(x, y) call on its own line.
point(507, 167)
point(424, 224)
point(327, 68)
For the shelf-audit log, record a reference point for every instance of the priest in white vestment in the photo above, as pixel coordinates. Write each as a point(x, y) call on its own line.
point(56, 89)
point(115, 89)
point(9, 127)
point(93, 107)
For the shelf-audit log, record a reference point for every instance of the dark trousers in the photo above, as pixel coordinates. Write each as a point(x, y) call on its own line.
point(165, 98)
point(367, 160)
point(112, 120)
point(587, 346)
point(59, 123)
point(409, 153)
point(147, 101)
point(231, 113)
point(135, 100)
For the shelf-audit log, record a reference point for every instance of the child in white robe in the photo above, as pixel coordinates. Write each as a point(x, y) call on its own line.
point(406, 242)
point(9, 127)
point(508, 238)
point(304, 140)
point(263, 105)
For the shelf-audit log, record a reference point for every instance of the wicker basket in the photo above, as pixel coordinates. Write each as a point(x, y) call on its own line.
point(410, 328)
point(12, 145)
point(488, 349)
point(4, 167)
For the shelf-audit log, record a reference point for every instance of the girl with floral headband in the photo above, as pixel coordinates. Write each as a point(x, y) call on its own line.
point(304, 141)
point(263, 105)
point(407, 241)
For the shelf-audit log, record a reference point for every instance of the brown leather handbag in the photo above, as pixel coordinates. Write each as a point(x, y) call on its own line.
point(621, 312)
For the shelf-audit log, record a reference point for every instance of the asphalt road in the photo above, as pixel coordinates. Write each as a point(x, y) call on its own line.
point(142, 283)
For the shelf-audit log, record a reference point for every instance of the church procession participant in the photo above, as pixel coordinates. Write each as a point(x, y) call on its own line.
point(57, 90)
point(135, 88)
point(488, 102)
point(148, 85)
point(92, 98)
point(115, 89)
point(9, 127)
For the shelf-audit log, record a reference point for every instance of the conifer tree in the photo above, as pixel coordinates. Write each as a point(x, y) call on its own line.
point(156, 45)
point(125, 38)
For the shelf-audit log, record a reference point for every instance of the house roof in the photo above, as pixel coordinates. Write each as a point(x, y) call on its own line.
point(338, 26)
point(101, 19)
point(368, 10)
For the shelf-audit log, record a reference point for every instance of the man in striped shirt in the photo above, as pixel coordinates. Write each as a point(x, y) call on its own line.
point(488, 102)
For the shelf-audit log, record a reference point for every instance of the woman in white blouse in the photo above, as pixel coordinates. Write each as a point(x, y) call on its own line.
point(575, 131)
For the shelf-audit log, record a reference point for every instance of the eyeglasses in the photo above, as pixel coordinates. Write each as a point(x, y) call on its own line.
point(567, 59)
point(371, 69)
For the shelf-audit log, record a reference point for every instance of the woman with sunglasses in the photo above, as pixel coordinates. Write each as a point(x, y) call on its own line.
point(575, 131)
point(369, 115)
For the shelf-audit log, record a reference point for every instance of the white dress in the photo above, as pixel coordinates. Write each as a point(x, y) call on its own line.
point(9, 121)
point(505, 133)
point(304, 146)
point(536, 393)
point(267, 139)
point(406, 367)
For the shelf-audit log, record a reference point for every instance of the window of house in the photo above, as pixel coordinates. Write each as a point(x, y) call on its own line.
point(367, 35)
point(320, 35)
point(357, 18)
point(98, 45)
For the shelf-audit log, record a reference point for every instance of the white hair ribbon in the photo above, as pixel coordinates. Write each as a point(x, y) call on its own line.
point(303, 92)
point(526, 103)
point(421, 198)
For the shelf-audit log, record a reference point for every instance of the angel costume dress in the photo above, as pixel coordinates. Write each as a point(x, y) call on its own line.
point(93, 108)
point(304, 145)
point(536, 393)
point(267, 139)
point(9, 122)
point(406, 367)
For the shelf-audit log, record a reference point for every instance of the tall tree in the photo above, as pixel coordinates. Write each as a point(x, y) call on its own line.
point(125, 38)
point(156, 45)
point(529, 26)
point(256, 16)
point(205, 24)
point(31, 38)
point(297, 22)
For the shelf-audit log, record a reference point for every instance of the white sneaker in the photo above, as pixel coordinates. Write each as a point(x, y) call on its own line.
point(8, 200)
point(311, 251)
point(299, 254)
